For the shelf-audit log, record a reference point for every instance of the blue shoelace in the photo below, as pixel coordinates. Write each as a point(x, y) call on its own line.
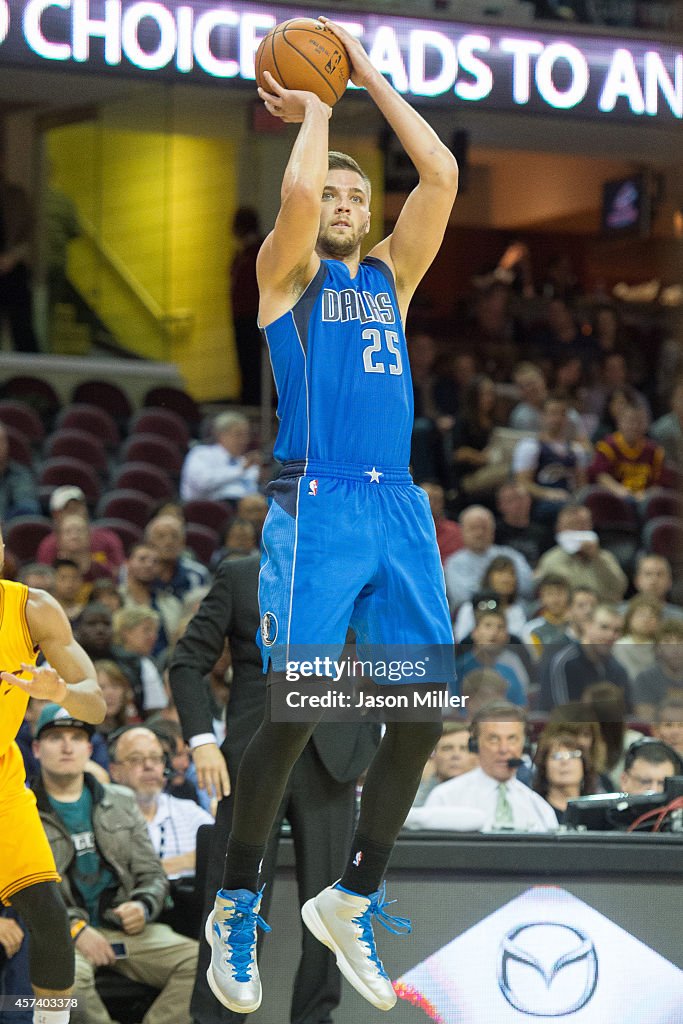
point(394, 924)
point(241, 937)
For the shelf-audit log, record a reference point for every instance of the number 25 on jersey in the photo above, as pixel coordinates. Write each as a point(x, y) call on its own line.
point(382, 352)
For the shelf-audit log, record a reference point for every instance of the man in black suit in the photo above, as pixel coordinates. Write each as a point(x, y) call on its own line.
point(319, 801)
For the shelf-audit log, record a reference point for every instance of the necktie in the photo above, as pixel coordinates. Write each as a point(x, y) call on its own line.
point(504, 817)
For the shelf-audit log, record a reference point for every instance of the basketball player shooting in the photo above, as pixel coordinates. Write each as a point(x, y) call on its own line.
point(31, 620)
point(349, 539)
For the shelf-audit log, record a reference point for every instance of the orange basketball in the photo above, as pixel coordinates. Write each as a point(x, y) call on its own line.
point(303, 54)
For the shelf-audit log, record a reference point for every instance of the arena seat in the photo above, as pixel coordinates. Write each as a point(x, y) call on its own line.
point(145, 477)
point(155, 449)
point(62, 470)
point(127, 532)
point(124, 503)
point(177, 401)
point(214, 514)
point(662, 503)
point(202, 541)
point(34, 391)
point(22, 417)
point(23, 535)
point(105, 395)
point(664, 536)
point(92, 420)
point(78, 444)
point(609, 511)
point(19, 446)
point(164, 422)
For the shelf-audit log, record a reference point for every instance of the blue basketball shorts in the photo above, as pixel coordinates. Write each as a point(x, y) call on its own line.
point(349, 546)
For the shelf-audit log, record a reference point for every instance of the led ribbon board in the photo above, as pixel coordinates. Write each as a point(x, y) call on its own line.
point(457, 65)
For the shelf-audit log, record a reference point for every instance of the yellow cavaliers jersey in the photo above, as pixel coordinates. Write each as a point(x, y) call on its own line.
point(16, 646)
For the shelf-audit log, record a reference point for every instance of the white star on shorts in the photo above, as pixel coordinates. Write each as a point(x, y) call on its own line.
point(374, 475)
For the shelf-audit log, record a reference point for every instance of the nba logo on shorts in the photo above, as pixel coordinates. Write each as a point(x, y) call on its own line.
point(357, 859)
point(268, 629)
point(313, 487)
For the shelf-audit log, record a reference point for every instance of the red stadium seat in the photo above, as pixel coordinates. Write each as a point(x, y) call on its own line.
point(133, 506)
point(664, 536)
point(662, 503)
point(163, 422)
point(105, 395)
point(202, 541)
point(92, 420)
point(177, 401)
point(34, 391)
point(143, 476)
point(62, 470)
point(19, 446)
point(78, 444)
point(22, 417)
point(204, 512)
point(24, 534)
point(128, 533)
point(609, 511)
point(155, 449)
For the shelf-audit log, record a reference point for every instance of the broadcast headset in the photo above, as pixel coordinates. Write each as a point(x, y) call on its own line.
point(498, 711)
point(651, 743)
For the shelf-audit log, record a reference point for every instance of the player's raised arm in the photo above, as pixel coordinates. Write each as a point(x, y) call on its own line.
point(420, 228)
point(70, 679)
point(286, 261)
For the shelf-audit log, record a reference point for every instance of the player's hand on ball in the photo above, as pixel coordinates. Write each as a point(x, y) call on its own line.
point(288, 104)
point(361, 65)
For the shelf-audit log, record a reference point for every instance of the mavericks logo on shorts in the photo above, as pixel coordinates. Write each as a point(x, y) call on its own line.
point(268, 629)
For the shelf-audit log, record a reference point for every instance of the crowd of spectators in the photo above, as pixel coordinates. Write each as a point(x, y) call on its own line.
point(541, 460)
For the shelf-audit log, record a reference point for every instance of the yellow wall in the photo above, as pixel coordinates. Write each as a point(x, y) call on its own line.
point(161, 203)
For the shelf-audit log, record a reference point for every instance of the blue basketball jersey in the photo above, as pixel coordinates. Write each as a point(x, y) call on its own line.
point(340, 363)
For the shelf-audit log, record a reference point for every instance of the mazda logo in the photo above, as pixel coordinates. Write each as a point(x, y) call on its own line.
point(547, 969)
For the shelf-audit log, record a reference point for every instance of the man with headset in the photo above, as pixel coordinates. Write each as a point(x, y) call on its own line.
point(489, 798)
point(647, 763)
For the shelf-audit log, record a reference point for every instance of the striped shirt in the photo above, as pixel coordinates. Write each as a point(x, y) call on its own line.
point(173, 829)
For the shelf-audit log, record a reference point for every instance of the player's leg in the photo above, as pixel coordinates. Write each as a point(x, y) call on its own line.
point(321, 813)
point(231, 927)
point(51, 953)
point(28, 881)
point(341, 916)
point(405, 610)
point(314, 564)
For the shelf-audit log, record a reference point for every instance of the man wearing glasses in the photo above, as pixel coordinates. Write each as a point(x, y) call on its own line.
point(112, 881)
point(137, 760)
point(647, 764)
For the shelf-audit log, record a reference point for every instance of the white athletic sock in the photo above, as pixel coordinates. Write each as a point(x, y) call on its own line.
point(51, 1016)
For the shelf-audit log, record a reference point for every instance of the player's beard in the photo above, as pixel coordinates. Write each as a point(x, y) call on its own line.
point(339, 247)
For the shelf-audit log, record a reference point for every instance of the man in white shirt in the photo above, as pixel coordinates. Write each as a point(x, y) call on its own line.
point(225, 469)
point(137, 760)
point(463, 571)
point(489, 798)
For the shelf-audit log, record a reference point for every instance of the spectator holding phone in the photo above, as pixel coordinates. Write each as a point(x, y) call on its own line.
point(112, 881)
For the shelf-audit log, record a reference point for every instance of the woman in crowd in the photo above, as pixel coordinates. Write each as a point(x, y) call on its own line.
point(475, 469)
point(635, 650)
point(563, 771)
point(499, 579)
point(607, 706)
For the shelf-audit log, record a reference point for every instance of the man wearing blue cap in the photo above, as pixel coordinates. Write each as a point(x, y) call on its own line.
point(113, 882)
point(32, 622)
